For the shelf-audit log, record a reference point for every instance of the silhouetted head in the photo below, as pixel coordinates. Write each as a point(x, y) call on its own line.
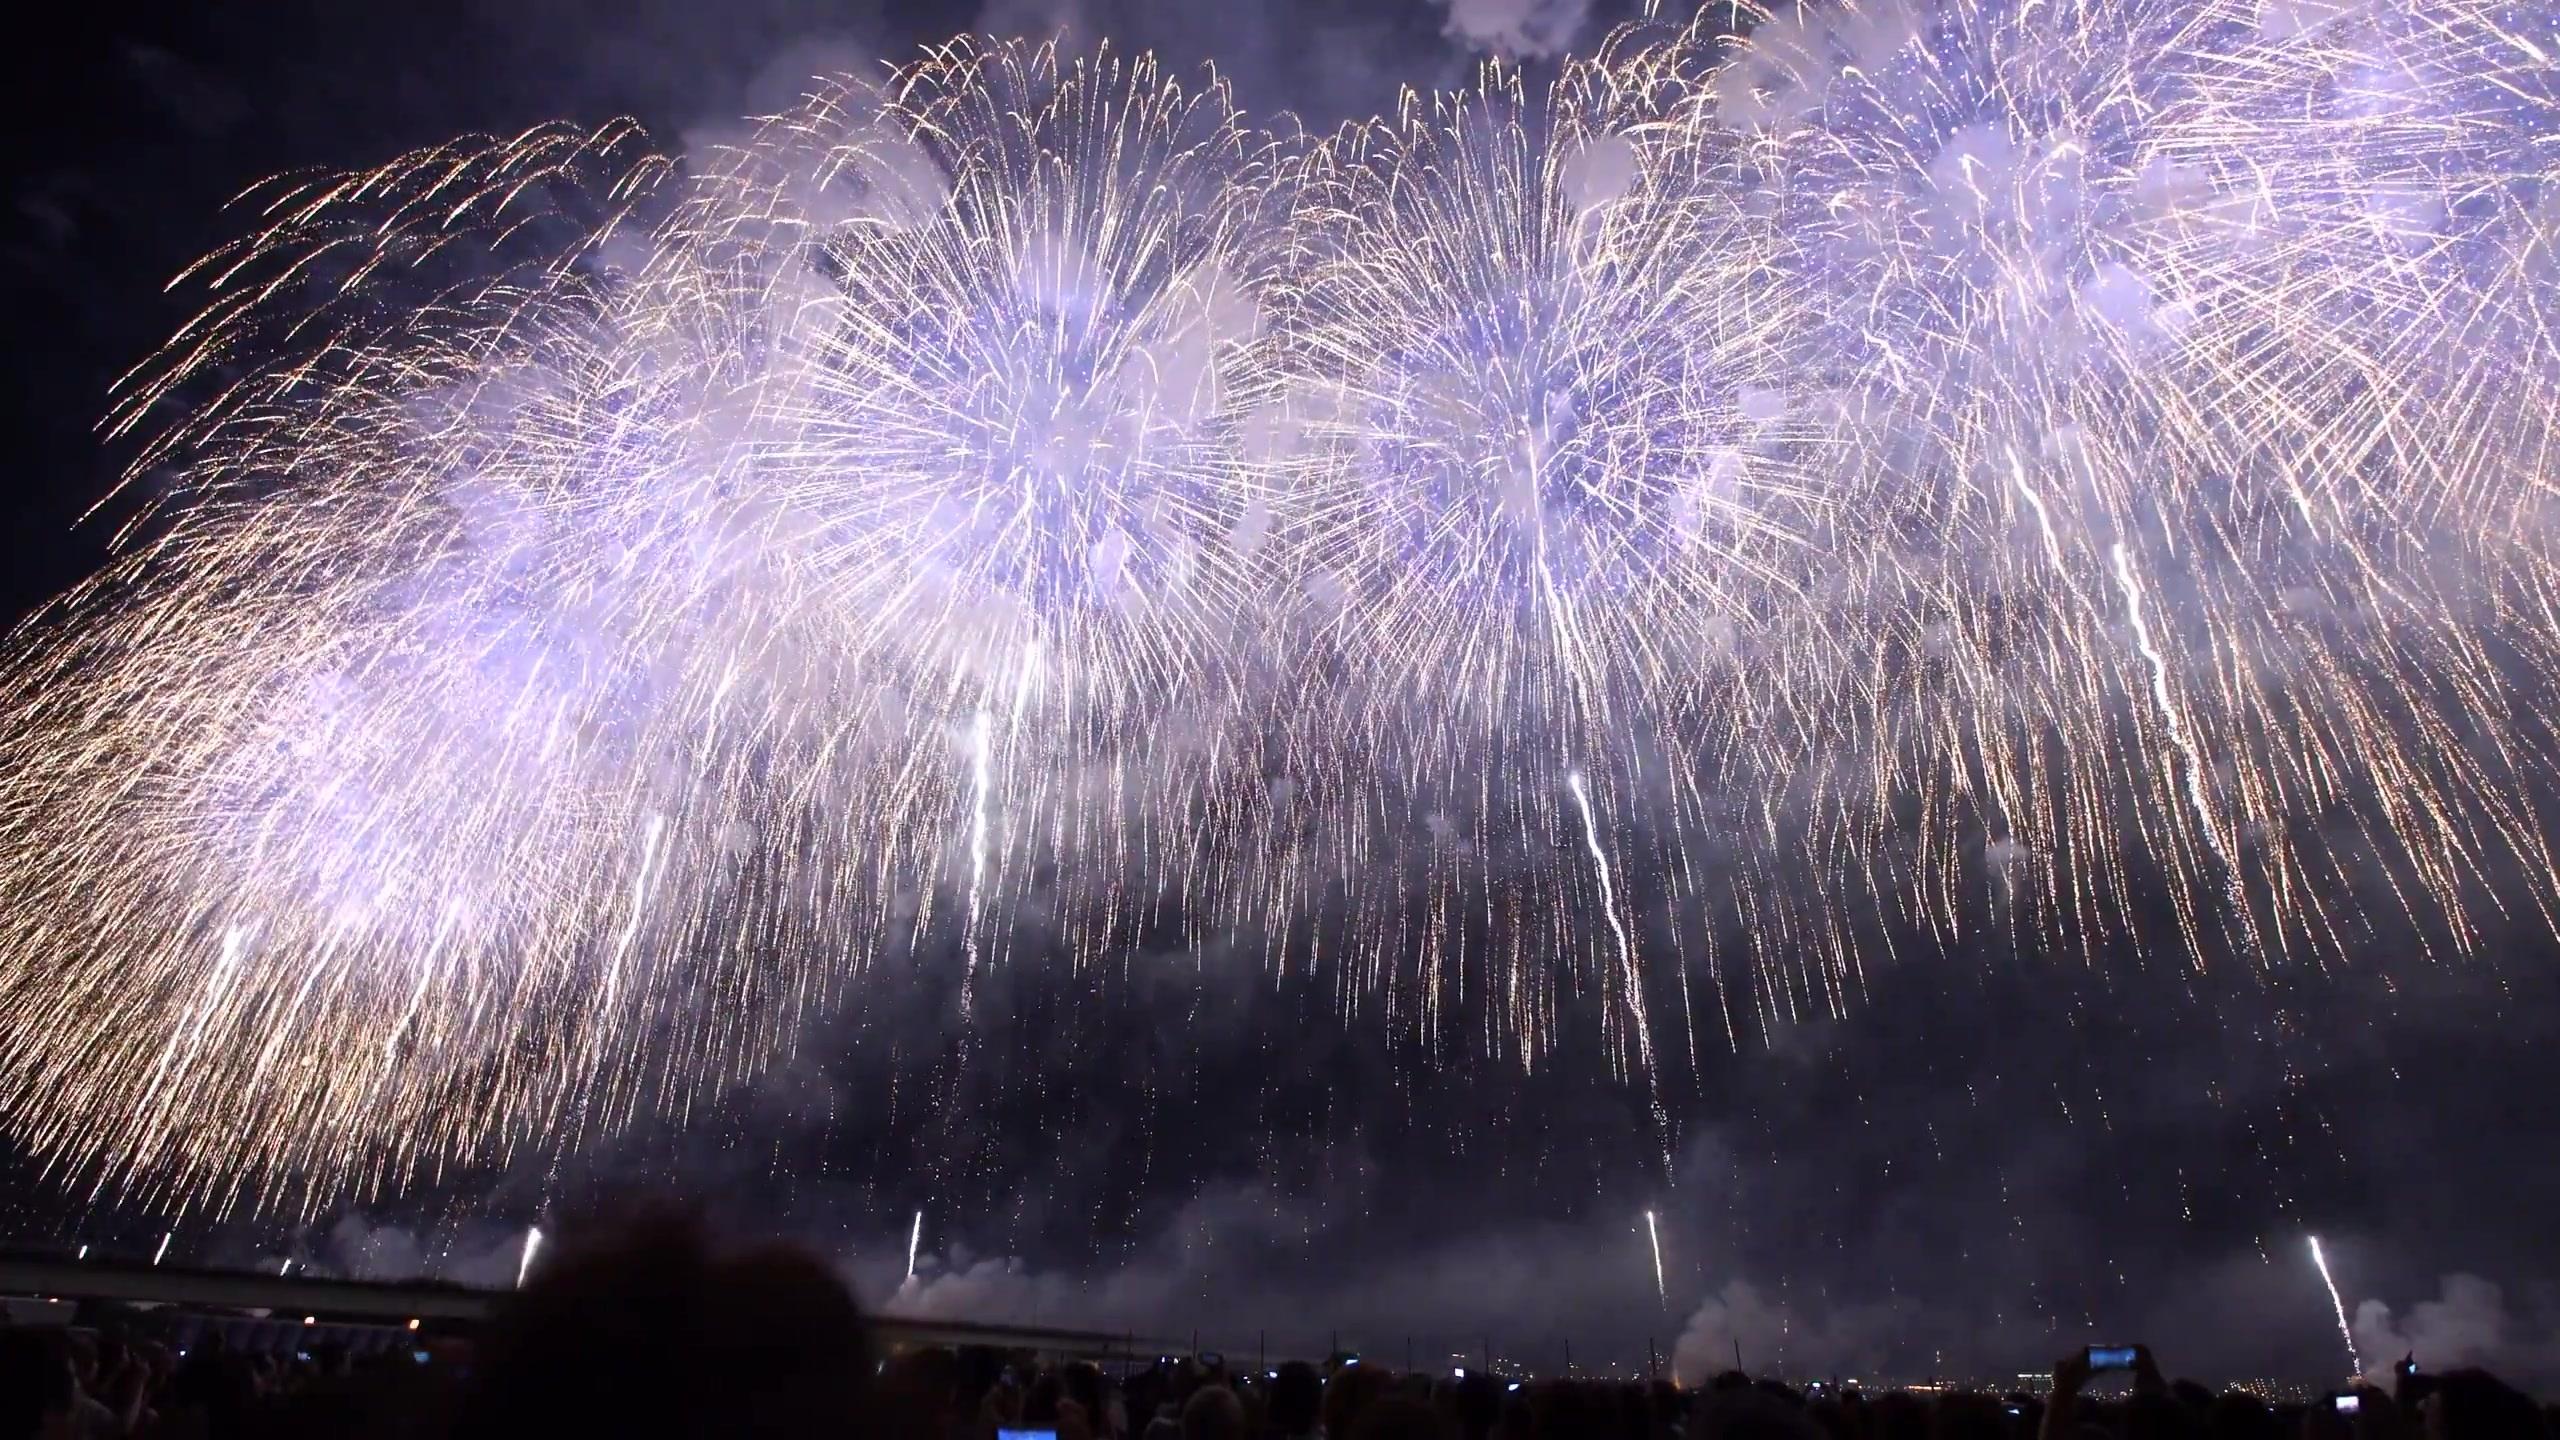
point(1750, 1414)
point(1083, 1382)
point(2476, 1405)
point(35, 1384)
point(649, 1330)
point(2155, 1416)
point(1354, 1389)
point(1296, 1396)
point(1397, 1417)
point(1969, 1415)
point(1897, 1415)
point(2240, 1415)
point(215, 1389)
point(1213, 1413)
point(1475, 1402)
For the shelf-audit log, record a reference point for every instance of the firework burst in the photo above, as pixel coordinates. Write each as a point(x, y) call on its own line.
point(1580, 550)
point(1535, 349)
point(2163, 616)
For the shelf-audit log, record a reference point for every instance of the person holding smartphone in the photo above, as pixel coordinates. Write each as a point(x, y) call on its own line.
point(2071, 1375)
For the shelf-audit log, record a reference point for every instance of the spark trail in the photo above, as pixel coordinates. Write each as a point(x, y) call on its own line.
point(981, 786)
point(2193, 767)
point(1661, 1290)
point(2337, 1306)
point(1632, 995)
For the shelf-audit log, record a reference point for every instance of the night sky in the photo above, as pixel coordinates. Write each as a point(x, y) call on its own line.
point(1997, 1154)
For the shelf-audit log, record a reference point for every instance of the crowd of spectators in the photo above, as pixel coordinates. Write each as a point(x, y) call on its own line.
point(660, 1333)
point(932, 1397)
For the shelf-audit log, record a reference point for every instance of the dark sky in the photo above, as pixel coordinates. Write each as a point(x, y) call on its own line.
point(1993, 1157)
point(133, 125)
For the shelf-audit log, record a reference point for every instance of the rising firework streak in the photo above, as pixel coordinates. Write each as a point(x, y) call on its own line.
point(2346, 1333)
point(1661, 1291)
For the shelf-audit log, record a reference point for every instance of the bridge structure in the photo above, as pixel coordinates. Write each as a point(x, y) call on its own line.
point(438, 1311)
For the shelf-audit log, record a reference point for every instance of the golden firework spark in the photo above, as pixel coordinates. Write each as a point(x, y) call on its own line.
point(2077, 468)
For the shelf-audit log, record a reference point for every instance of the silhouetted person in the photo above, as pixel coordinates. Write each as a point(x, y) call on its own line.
point(1397, 1417)
point(1969, 1416)
point(918, 1394)
point(1748, 1413)
point(213, 1394)
point(1083, 1382)
point(1353, 1390)
point(1297, 1398)
point(2476, 1405)
point(2064, 1409)
point(1477, 1404)
point(2240, 1415)
point(1213, 1413)
point(36, 1388)
point(1896, 1415)
point(2156, 1415)
point(651, 1332)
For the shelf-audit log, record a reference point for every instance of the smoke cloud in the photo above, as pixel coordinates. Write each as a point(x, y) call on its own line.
point(2466, 1324)
point(1516, 29)
point(1766, 1334)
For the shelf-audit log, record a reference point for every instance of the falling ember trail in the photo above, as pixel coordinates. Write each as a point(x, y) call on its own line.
point(1599, 862)
point(158, 1254)
point(640, 883)
point(981, 780)
point(1626, 958)
point(914, 1237)
point(1661, 1291)
point(2355, 1363)
point(2178, 736)
point(532, 1246)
